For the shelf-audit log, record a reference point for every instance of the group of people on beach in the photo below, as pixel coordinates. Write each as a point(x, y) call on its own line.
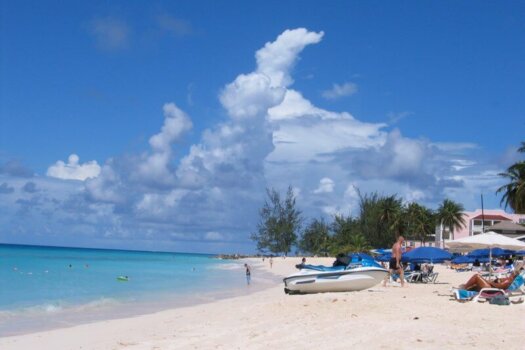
point(475, 283)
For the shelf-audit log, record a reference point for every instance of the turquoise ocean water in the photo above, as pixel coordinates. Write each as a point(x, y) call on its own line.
point(49, 287)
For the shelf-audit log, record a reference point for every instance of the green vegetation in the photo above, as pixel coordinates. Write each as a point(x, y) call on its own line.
point(280, 221)
point(514, 190)
point(381, 219)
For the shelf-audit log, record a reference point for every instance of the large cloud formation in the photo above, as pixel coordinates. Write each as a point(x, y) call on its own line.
point(207, 198)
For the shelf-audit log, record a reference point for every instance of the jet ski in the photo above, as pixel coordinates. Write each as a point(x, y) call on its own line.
point(355, 275)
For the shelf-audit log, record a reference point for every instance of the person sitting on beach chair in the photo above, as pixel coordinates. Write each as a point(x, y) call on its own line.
point(476, 282)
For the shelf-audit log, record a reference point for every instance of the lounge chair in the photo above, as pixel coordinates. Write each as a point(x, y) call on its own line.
point(463, 295)
point(414, 277)
point(515, 290)
point(430, 277)
point(423, 277)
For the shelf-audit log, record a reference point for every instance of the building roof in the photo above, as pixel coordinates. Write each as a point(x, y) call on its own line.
point(507, 226)
point(492, 217)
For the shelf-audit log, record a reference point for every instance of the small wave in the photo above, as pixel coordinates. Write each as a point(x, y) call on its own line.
point(58, 307)
point(102, 302)
point(231, 266)
point(47, 308)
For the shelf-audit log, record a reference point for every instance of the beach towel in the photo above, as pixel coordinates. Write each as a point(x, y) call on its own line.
point(464, 295)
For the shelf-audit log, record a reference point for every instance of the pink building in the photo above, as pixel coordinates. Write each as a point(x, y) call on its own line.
point(476, 222)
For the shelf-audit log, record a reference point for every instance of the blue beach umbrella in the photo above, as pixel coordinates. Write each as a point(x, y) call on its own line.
point(427, 254)
point(360, 256)
point(496, 252)
point(465, 259)
point(386, 258)
point(381, 251)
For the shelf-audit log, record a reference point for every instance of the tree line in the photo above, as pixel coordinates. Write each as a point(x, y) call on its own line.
point(381, 219)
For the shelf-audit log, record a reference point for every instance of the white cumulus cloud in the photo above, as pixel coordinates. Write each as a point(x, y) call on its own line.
point(73, 169)
point(154, 167)
point(326, 185)
point(176, 122)
point(276, 58)
point(346, 89)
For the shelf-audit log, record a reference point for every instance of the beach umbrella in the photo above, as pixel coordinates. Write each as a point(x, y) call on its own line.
point(360, 256)
point(488, 240)
point(386, 258)
point(466, 259)
point(427, 254)
point(463, 259)
point(520, 253)
point(381, 251)
point(496, 252)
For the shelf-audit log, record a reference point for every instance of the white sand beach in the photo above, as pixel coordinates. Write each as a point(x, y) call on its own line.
point(419, 316)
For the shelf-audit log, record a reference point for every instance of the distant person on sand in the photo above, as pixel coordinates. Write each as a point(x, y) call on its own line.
point(271, 262)
point(248, 274)
point(301, 265)
point(395, 261)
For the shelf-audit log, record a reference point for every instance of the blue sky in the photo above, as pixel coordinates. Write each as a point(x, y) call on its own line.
point(179, 114)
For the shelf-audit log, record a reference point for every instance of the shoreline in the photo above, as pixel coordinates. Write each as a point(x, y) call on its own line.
point(420, 316)
point(106, 309)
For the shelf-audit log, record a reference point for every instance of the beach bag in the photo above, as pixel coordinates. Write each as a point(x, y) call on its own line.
point(499, 300)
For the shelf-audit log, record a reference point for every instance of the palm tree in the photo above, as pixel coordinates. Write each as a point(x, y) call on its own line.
point(391, 209)
point(357, 244)
point(419, 222)
point(450, 216)
point(514, 190)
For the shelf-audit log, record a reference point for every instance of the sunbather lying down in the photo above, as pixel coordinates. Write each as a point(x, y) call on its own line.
point(476, 282)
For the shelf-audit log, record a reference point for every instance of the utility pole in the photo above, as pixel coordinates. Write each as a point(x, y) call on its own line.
point(482, 216)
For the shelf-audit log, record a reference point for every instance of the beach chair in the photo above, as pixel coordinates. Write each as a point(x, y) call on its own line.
point(515, 291)
point(463, 295)
point(414, 277)
point(430, 277)
point(423, 277)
